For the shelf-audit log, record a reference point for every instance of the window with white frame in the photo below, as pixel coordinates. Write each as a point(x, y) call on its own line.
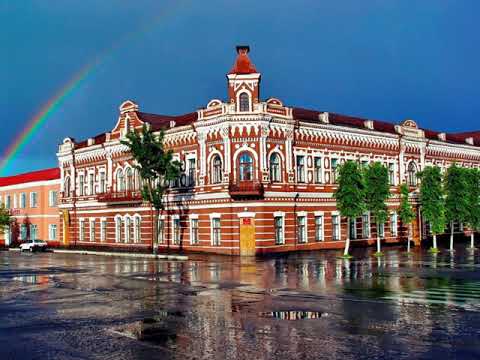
point(103, 230)
point(103, 183)
point(137, 230)
point(120, 180)
point(33, 232)
point(92, 230)
point(381, 230)
point(81, 185)
point(278, 222)
point(8, 201)
point(33, 199)
point(300, 168)
point(412, 174)
point(394, 224)
point(52, 198)
point(161, 231)
point(15, 202)
point(391, 173)
point(352, 228)
point(216, 237)
point(244, 102)
point(91, 184)
point(193, 231)
point(334, 165)
point(216, 169)
point(128, 229)
point(67, 187)
point(52, 232)
point(275, 174)
point(191, 171)
point(118, 229)
point(81, 229)
point(366, 225)
point(129, 179)
point(23, 200)
point(317, 169)
point(302, 229)
point(319, 227)
point(176, 230)
point(23, 232)
point(335, 227)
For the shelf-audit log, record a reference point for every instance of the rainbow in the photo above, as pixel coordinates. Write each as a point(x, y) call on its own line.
point(51, 106)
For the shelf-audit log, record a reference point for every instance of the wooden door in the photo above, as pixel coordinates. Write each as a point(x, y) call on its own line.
point(247, 237)
point(66, 227)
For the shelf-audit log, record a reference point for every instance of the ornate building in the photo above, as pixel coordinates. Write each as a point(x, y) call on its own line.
point(258, 176)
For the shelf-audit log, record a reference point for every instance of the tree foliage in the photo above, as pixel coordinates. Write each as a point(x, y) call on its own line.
point(377, 191)
point(432, 199)
point(405, 212)
point(350, 194)
point(473, 198)
point(456, 191)
point(5, 217)
point(155, 165)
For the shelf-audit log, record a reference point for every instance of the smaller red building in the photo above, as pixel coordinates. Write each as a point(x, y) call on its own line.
point(32, 201)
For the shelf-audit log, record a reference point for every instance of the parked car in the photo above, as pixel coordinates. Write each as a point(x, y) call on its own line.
point(33, 245)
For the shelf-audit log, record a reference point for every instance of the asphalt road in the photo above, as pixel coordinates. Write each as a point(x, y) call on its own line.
point(302, 306)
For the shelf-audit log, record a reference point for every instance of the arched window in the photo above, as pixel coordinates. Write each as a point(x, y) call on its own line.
point(246, 167)
point(216, 169)
point(67, 187)
point(129, 176)
point(138, 181)
point(118, 229)
point(244, 100)
point(128, 229)
point(275, 175)
point(137, 234)
point(120, 180)
point(412, 174)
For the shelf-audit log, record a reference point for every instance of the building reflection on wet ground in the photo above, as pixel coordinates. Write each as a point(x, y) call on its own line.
point(309, 306)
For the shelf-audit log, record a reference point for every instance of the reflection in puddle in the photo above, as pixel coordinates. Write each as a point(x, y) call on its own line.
point(293, 315)
point(32, 279)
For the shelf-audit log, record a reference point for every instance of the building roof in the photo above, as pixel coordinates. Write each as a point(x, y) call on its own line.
point(39, 175)
point(163, 121)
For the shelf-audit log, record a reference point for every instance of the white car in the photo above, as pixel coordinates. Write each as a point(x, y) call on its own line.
point(32, 245)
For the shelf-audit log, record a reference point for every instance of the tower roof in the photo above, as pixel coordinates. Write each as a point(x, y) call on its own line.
point(243, 65)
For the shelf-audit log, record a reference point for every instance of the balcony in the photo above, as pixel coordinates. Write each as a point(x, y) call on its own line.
point(120, 196)
point(246, 189)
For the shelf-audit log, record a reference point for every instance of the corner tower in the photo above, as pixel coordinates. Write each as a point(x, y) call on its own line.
point(243, 82)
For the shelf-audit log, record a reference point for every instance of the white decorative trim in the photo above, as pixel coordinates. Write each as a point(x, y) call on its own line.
point(215, 215)
point(246, 214)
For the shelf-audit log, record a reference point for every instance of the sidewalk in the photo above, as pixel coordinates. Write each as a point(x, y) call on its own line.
point(107, 253)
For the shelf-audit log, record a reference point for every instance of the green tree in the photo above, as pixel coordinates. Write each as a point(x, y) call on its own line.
point(432, 201)
point(156, 167)
point(456, 200)
point(405, 212)
point(350, 195)
point(473, 201)
point(5, 217)
point(376, 194)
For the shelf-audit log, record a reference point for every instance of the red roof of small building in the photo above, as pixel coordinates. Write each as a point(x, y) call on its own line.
point(39, 175)
point(243, 65)
point(163, 121)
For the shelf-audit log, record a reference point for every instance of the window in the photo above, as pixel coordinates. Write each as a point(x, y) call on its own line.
point(317, 164)
point(23, 232)
point(137, 232)
point(275, 175)
point(352, 229)
point(364, 164)
point(381, 230)
point(8, 201)
point(193, 231)
point(191, 172)
point(52, 198)
point(412, 174)
point(23, 200)
point(92, 230)
point(336, 227)
point(216, 231)
point(161, 231)
point(302, 229)
point(391, 173)
point(33, 200)
point(246, 167)
point(15, 202)
point(33, 232)
point(118, 229)
point(244, 102)
point(334, 163)
point(103, 188)
point(319, 228)
point(128, 229)
point(91, 184)
point(103, 230)
point(52, 232)
point(300, 168)
point(81, 229)
point(120, 180)
point(365, 226)
point(393, 224)
point(67, 187)
point(176, 231)
point(216, 169)
point(279, 232)
point(129, 178)
point(81, 185)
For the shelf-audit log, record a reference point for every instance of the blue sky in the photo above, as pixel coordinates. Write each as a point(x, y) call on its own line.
point(380, 59)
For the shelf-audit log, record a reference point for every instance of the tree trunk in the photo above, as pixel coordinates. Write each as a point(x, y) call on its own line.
point(347, 242)
point(409, 236)
point(451, 235)
point(434, 241)
point(472, 240)
point(379, 249)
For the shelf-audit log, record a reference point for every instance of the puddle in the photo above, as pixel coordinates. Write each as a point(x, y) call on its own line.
point(293, 315)
point(32, 279)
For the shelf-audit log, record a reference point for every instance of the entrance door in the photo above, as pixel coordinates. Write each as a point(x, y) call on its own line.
point(66, 227)
point(247, 237)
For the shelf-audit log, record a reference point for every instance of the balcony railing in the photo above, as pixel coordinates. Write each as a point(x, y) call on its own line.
point(245, 188)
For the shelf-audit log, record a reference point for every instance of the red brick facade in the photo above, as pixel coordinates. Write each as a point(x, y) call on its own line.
point(258, 175)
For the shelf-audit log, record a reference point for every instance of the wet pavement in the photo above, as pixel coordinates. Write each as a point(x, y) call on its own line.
point(301, 306)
